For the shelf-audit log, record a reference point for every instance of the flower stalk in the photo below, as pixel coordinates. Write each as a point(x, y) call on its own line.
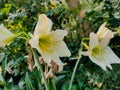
point(40, 68)
point(76, 65)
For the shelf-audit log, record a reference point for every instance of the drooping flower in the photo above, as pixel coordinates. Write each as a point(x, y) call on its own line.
point(99, 52)
point(49, 43)
point(6, 37)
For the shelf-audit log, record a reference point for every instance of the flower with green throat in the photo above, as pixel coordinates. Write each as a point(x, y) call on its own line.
point(49, 43)
point(99, 52)
point(6, 37)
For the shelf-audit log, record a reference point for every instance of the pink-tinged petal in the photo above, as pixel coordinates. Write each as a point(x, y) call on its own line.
point(94, 40)
point(43, 26)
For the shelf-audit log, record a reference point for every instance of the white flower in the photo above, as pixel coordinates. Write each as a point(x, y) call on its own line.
point(104, 32)
point(6, 37)
point(99, 52)
point(49, 43)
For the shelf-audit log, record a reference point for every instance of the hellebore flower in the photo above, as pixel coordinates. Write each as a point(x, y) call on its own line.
point(99, 52)
point(6, 37)
point(49, 43)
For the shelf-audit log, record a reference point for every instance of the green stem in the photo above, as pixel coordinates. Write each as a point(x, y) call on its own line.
point(73, 74)
point(23, 33)
point(40, 67)
point(76, 65)
point(53, 82)
point(23, 38)
point(26, 36)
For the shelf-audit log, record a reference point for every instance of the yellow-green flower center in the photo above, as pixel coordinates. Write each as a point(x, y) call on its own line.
point(8, 40)
point(45, 43)
point(96, 51)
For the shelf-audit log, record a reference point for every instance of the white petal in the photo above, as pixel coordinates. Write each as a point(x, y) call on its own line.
point(110, 67)
point(98, 62)
point(61, 49)
point(58, 35)
point(6, 37)
point(7, 41)
point(111, 57)
point(46, 57)
point(105, 42)
point(94, 40)
point(4, 32)
point(104, 32)
point(52, 56)
point(34, 42)
point(43, 26)
point(101, 29)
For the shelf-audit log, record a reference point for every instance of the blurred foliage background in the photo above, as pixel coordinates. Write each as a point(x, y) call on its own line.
point(79, 18)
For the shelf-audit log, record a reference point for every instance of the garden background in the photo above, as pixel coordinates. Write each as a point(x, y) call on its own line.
point(79, 18)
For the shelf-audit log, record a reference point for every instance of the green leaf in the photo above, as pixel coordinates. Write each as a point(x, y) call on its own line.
point(28, 82)
point(4, 65)
point(2, 55)
point(1, 80)
point(52, 84)
point(74, 87)
point(21, 84)
point(64, 86)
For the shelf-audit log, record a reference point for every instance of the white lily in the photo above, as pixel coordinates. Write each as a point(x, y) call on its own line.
point(99, 52)
point(6, 37)
point(104, 32)
point(49, 43)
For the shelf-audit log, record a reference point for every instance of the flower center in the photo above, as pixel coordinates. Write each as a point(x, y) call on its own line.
point(45, 43)
point(96, 51)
